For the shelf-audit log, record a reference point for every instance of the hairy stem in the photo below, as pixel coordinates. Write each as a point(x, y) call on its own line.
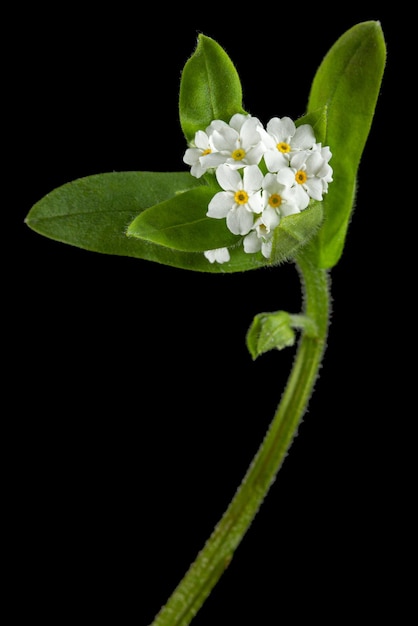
point(217, 553)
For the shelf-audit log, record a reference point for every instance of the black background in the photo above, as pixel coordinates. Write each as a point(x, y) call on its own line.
point(139, 408)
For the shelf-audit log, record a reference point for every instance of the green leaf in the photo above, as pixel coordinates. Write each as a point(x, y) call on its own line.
point(210, 88)
point(181, 223)
point(269, 331)
point(346, 86)
point(294, 231)
point(94, 212)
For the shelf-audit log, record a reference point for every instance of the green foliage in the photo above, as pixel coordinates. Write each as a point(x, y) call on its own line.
point(181, 223)
point(294, 231)
point(161, 216)
point(210, 88)
point(347, 86)
point(94, 213)
point(276, 331)
point(269, 331)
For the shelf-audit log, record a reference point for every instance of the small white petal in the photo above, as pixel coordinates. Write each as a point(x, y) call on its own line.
point(303, 138)
point(298, 159)
point(314, 163)
point(275, 160)
point(252, 243)
point(191, 156)
point(256, 202)
point(201, 140)
point(238, 120)
point(281, 128)
point(249, 133)
point(253, 155)
point(224, 139)
point(213, 159)
point(270, 218)
point(220, 205)
point(266, 247)
point(220, 255)
point(228, 178)
point(286, 176)
point(314, 188)
point(215, 125)
point(239, 220)
point(289, 208)
point(252, 178)
point(300, 196)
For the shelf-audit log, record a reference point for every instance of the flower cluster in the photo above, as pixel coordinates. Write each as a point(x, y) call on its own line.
point(265, 174)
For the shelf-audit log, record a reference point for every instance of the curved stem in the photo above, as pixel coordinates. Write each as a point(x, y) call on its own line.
point(216, 554)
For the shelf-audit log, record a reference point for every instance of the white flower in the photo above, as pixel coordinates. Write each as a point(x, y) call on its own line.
point(326, 172)
point(279, 192)
point(311, 172)
point(281, 138)
point(237, 144)
point(253, 204)
point(279, 200)
point(220, 255)
point(240, 200)
point(262, 232)
point(200, 147)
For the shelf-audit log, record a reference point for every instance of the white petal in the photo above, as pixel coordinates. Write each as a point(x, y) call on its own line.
point(252, 243)
point(269, 182)
point(298, 159)
point(201, 140)
point(303, 138)
point(289, 208)
point(256, 202)
point(266, 247)
point(220, 255)
point(282, 128)
point(197, 170)
point(238, 120)
point(191, 155)
point(314, 188)
point(267, 139)
point(314, 163)
point(213, 159)
point(249, 133)
point(239, 220)
point(253, 155)
point(228, 178)
point(253, 178)
point(270, 218)
point(224, 139)
point(325, 173)
point(215, 125)
point(235, 165)
point(275, 160)
point(300, 196)
point(286, 176)
point(288, 127)
point(220, 205)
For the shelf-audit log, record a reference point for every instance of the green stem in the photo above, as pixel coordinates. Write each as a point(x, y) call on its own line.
point(217, 553)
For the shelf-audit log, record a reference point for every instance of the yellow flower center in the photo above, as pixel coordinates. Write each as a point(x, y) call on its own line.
point(301, 177)
point(275, 200)
point(238, 154)
point(282, 146)
point(207, 151)
point(241, 197)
